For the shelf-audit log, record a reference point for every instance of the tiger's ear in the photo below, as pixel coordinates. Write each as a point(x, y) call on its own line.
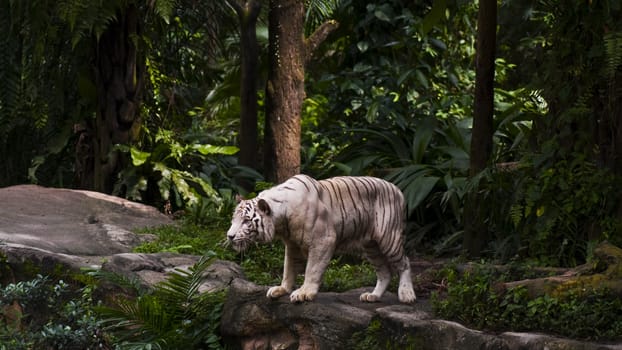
point(263, 206)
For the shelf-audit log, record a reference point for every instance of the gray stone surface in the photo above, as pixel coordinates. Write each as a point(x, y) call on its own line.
point(52, 231)
point(73, 222)
point(150, 269)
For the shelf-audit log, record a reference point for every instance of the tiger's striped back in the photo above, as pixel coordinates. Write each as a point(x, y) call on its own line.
point(363, 206)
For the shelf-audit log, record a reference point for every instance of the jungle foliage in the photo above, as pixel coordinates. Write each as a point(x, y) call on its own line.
point(474, 298)
point(389, 93)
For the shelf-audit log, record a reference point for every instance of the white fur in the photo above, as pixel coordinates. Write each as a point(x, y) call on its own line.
point(307, 226)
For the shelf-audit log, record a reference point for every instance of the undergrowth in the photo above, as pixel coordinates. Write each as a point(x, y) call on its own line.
point(375, 336)
point(476, 299)
point(43, 314)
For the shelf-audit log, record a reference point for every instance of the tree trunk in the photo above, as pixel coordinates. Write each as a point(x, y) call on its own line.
point(284, 90)
point(248, 13)
point(119, 81)
point(475, 233)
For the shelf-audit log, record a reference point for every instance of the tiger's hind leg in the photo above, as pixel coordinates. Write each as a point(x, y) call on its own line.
point(383, 273)
point(386, 263)
point(405, 291)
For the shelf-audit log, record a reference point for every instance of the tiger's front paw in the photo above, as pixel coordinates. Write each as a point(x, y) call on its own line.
point(369, 298)
point(302, 294)
point(276, 292)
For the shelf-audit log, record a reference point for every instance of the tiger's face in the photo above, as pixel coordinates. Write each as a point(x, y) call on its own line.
point(251, 223)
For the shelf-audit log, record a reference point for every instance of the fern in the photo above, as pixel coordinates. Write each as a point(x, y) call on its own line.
point(613, 53)
point(174, 316)
point(9, 70)
point(164, 9)
point(86, 18)
point(516, 214)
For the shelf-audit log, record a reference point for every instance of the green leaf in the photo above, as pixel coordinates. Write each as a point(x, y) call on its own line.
point(438, 44)
point(422, 139)
point(422, 79)
point(381, 15)
point(210, 149)
point(138, 157)
point(418, 190)
point(165, 183)
point(362, 46)
point(404, 76)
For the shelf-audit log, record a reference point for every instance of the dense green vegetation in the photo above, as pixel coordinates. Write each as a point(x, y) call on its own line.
point(389, 93)
point(476, 299)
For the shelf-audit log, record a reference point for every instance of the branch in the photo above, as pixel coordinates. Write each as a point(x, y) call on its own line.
point(604, 272)
point(318, 36)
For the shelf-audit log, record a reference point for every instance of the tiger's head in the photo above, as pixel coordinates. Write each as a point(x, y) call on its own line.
point(252, 223)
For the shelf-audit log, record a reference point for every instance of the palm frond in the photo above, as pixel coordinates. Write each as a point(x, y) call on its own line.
point(319, 11)
point(88, 18)
point(164, 9)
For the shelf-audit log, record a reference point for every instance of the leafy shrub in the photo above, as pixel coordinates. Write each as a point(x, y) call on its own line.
point(343, 275)
point(428, 162)
point(476, 300)
point(39, 314)
point(559, 208)
point(174, 171)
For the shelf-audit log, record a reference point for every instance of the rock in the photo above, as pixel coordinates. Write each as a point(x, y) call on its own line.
point(252, 321)
point(151, 269)
point(59, 232)
point(340, 321)
point(73, 222)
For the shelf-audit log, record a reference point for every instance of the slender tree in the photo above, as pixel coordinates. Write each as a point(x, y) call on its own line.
point(481, 141)
point(248, 12)
point(289, 51)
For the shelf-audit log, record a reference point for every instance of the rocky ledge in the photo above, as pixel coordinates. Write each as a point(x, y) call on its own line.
point(341, 321)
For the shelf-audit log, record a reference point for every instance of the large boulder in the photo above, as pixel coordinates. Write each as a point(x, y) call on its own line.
point(60, 231)
point(340, 321)
point(73, 222)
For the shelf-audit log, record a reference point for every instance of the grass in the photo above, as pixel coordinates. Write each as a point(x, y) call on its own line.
point(262, 264)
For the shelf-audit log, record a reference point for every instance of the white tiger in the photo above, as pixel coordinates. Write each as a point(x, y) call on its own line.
point(316, 219)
